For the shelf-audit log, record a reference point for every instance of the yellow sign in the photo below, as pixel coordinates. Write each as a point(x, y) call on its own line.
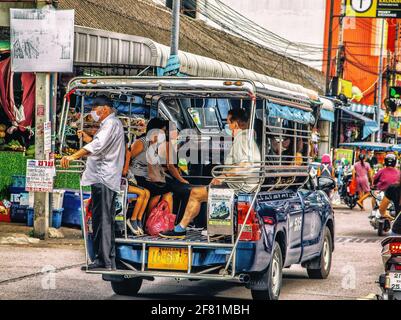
point(361, 8)
point(168, 258)
point(347, 154)
point(345, 87)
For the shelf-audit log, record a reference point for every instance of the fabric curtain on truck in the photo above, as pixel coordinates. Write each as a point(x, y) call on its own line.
point(290, 113)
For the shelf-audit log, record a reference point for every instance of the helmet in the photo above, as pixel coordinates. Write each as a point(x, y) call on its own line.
point(326, 159)
point(390, 160)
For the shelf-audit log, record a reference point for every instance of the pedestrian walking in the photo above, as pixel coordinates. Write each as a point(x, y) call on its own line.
point(104, 166)
point(363, 174)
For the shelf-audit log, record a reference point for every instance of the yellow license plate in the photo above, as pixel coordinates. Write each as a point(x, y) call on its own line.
point(168, 258)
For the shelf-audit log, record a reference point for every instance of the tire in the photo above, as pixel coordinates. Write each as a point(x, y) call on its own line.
point(127, 287)
point(351, 202)
point(274, 276)
point(380, 229)
point(325, 258)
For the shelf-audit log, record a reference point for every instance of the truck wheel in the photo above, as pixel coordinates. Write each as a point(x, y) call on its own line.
point(127, 287)
point(325, 258)
point(274, 276)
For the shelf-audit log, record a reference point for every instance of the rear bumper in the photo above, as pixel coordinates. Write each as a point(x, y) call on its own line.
point(202, 256)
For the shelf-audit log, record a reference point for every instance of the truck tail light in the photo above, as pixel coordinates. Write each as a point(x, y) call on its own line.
point(268, 220)
point(252, 227)
point(397, 267)
point(395, 248)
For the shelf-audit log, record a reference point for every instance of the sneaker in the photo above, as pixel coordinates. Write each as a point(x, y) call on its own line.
point(135, 232)
point(141, 231)
point(171, 234)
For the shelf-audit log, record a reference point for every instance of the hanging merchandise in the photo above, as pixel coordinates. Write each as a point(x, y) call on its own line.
point(19, 109)
point(315, 138)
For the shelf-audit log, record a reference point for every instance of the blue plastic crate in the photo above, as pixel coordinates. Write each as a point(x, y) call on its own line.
point(72, 208)
point(56, 217)
point(30, 212)
point(16, 190)
point(18, 181)
point(18, 213)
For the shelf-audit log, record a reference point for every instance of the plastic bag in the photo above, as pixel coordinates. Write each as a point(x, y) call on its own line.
point(335, 198)
point(160, 219)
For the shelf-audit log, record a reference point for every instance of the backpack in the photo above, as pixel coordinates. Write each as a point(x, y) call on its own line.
point(160, 219)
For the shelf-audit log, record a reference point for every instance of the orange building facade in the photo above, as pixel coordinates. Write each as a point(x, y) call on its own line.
point(361, 43)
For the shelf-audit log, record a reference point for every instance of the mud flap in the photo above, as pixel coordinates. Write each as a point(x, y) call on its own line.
point(314, 263)
point(258, 281)
point(112, 277)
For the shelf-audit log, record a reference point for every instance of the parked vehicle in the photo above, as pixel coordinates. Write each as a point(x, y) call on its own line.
point(286, 220)
point(390, 280)
point(348, 196)
point(376, 220)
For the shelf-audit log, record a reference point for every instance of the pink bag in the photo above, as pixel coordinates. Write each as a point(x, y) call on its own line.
point(160, 219)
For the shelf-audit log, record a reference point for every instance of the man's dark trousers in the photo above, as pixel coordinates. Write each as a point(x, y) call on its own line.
point(103, 215)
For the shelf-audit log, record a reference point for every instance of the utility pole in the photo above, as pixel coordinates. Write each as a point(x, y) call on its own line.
point(380, 88)
point(394, 73)
point(44, 83)
point(339, 70)
point(175, 28)
point(330, 44)
point(341, 49)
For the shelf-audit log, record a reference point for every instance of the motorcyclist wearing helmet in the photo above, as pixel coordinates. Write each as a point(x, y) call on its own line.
point(392, 194)
point(388, 175)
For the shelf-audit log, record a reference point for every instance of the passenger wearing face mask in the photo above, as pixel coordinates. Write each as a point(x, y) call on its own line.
point(244, 152)
point(104, 165)
point(145, 164)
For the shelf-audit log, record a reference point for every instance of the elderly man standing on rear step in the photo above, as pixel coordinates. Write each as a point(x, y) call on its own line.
point(106, 155)
point(244, 152)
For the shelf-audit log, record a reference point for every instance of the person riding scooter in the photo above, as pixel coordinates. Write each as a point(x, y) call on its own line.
point(392, 194)
point(387, 176)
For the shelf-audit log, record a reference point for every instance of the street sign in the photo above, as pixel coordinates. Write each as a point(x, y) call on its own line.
point(39, 175)
point(42, 40)
point(373, 8)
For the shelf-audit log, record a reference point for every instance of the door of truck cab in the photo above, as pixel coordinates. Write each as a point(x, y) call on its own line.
point(312, 224)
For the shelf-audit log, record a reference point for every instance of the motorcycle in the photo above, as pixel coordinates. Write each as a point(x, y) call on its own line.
point(346, 195)
point(390, 281)
point(375, 218)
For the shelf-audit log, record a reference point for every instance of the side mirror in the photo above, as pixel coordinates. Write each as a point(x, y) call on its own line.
point(326, 183)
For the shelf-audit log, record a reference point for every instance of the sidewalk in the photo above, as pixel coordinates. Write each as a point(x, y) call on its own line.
point(19, 234)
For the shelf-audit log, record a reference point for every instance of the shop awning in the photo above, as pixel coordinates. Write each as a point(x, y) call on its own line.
point(370, 126)
point(327, 115)
point(290, 113)
point(374, 146)
point(364, 109)
point(326, 110)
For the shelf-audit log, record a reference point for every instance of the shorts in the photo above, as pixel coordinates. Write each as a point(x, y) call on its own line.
point(155, 188)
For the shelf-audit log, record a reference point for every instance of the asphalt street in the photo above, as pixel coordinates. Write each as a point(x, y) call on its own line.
point(356, 267)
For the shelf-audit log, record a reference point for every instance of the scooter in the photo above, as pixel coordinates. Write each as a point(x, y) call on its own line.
point(390, 280)
point(376, 220)
point(344, 190)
